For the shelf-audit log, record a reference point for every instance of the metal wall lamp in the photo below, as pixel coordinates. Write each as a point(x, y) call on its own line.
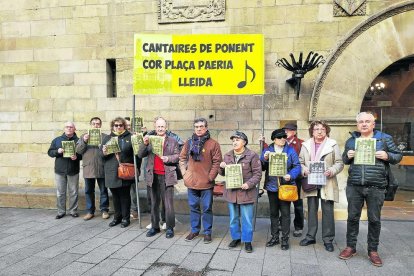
point(299, 69)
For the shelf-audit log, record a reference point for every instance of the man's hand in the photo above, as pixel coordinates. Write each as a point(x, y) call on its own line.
point(262, 139)
point(350, 154)
point(164, 159)
point(74, 157)
point(381, 155)
point(60, 150)
point(105, 150)
point(266, 155)
point(86, 138)
point(223, 165)
point(245, 186)
point(146, 140)
point(328, 173)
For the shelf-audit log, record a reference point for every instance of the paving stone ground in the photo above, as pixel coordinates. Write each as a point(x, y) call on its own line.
point(33, 242)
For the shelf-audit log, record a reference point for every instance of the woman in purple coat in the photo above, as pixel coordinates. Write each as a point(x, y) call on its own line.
point(241, 200)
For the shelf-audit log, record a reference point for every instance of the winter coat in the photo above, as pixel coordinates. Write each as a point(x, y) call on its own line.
point(293, 168)
point(333, 161)
point(252, 174)
point(111, 163)
point(371, 175)
point(200, 175)
point(92, 161)
point(170, 150)
point(64, 166)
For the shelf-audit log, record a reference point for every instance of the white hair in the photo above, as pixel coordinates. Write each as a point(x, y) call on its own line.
point(365, 113)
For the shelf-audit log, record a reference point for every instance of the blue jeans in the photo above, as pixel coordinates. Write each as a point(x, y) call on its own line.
point(374, 198)
point(205, 198)
point(90, 195)
point(245, 232)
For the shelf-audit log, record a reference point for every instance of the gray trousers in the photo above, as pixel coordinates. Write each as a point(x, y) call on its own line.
point(71, 184)
point(328, 220)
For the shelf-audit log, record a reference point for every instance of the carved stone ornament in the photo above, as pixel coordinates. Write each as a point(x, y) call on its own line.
point(175, 11)
point(349, 7)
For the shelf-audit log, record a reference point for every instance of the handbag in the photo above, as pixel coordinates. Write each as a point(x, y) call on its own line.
point(126, 171)
point(306, 187)
point(392, 185)
point(287, 192)
point(392, 182)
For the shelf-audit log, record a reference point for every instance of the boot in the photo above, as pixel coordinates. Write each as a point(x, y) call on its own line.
point(285, 244)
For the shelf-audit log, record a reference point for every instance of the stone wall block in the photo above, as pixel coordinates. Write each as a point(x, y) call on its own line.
point(48, 27)
point(8, 148)
point(90, 78)
point(37, 136)
point(42, 67)
point(14, 159)
point(15, 29)
point(234, 115)
point(74, 66)
point(82, 26)
point(16, 56)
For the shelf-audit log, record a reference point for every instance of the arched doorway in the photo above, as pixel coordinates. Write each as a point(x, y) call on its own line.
point(339, 91)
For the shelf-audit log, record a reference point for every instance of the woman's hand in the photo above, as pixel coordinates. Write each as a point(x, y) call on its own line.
point(105, 150)
point(350, 154)
point(266, 155)
point(146, 140)
point(245, 186)
point(306, 171)
point(223, 165)
point(328, 173)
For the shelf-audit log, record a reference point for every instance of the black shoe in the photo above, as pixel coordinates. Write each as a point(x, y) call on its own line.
point(207, 238)
point(153, 231)
point(248, 247)
point(297, 233)
point(329, 247)
point(114, 222)
point(59, 216)
point(234, 243)
point(169, 233)
point(75, 215)
point(285, 244)
point(125, 223)
point(273, 241)
point(306, 242)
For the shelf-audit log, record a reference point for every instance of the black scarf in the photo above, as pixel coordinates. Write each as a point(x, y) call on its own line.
point(197, 144)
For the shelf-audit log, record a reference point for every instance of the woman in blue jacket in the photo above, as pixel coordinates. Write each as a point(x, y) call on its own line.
point(279, 145)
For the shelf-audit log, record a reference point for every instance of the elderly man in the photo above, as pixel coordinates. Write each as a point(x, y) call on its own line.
point(161, 177)
point(200, 161)
point(66, 172)
point(296, 143)
point(367, 183)
point(93, 170)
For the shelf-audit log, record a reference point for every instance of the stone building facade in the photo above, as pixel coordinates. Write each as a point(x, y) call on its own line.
point(54, 68)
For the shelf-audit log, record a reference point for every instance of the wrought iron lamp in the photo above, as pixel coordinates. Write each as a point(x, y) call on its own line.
point(299, 69)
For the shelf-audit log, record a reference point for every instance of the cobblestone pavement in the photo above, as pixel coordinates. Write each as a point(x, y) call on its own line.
point(33, 242)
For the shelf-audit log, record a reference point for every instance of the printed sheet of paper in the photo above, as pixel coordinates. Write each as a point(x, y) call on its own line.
point(94, 136)
point(316, 170)
point(136, 141)
point(112, 145)
point(138, 124)
point(234, 176)
point(157, 144)
point(365, 151)
point(68, 148)
point(277, 164)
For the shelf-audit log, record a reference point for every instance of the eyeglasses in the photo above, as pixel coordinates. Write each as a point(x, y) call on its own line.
point(118, 125)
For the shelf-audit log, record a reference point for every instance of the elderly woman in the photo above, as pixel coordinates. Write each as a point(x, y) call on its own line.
point(321, 148)
point(272, 183)
point(119, 187)
point(241, 200)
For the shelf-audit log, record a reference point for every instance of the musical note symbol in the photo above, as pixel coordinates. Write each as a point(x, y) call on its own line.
point(244, 82)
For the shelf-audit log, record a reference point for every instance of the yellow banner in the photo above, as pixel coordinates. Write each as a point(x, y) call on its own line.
point(213, 64)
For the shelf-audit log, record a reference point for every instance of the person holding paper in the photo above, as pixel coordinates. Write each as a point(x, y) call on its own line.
point(321, 148)
point(161, 177)
point(93, 170)
point(241, 200)
point(199, 164)
point(66, 172)
point(119, 187)
point(367, 183)
point(271, 184)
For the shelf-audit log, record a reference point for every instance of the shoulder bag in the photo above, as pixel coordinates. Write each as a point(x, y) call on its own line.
point(126, 171)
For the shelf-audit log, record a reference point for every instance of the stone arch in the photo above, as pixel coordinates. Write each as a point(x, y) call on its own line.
point(373, 45)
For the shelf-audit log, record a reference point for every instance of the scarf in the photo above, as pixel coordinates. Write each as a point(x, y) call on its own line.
point(117, 133)
point(197, 144)
point(316, 156)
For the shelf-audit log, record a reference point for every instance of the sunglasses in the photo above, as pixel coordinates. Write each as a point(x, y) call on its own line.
point(283, 137)
point(118, 125)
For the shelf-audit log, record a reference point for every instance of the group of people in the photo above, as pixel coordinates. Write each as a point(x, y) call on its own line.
point(199, 160)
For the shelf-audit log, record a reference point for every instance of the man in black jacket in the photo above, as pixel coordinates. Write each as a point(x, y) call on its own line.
point(367, 183)
point(66, 171)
